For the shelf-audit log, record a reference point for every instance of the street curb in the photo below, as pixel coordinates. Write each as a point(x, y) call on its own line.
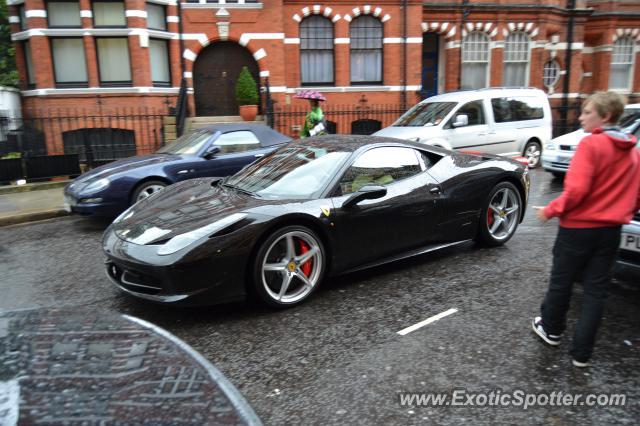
point(32, 217)
point(10, 189)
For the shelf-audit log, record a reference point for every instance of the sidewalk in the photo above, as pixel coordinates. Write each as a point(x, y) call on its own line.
point(33, 204)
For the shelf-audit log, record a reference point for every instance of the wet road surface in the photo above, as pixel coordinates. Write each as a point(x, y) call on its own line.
point(338, 359)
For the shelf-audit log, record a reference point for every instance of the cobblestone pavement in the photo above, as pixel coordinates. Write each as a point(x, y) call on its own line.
point(338, 358)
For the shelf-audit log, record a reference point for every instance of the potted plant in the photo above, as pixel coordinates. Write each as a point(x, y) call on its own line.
point(247, 95)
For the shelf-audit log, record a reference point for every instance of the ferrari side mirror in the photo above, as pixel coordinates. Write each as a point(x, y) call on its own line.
point(367, 192)
point(212, 152)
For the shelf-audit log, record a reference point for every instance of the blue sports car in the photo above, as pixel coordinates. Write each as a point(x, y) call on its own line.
point(213, 151)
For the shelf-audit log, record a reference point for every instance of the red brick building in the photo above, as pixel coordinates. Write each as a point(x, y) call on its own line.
point(133, 53)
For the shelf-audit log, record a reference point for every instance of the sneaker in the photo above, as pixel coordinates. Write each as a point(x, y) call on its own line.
point(580, 364)
point(537, 327)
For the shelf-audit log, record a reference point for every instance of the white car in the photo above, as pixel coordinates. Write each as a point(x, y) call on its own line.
point(512, 122)
point(558, 153)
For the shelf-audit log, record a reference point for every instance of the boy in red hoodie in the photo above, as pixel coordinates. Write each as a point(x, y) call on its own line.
point(601, 193)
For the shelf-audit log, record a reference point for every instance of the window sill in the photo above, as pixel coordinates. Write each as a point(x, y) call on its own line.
point(72, 85)
point(116, 84)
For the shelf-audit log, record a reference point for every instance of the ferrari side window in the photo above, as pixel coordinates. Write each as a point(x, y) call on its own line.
point(239, 141)
point(380, 166)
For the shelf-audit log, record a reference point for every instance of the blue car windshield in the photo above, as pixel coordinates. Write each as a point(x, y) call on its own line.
point(190, 143)
point(427, 114)
point(295, 171)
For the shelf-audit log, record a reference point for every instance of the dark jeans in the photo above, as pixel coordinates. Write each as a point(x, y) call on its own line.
point(588, 254)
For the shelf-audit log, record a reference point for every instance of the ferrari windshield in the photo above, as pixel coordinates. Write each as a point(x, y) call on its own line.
point(294, 171)
point(190, 143)
point(427, 114)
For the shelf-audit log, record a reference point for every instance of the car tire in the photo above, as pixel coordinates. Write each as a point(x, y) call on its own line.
point(146, 189)
point(499, 217)
point(533, 153)
point(282, 261)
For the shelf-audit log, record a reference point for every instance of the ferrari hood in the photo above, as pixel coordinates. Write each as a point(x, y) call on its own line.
point(181, 208)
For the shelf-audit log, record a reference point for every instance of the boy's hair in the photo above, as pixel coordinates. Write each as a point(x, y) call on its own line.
point(607, 102)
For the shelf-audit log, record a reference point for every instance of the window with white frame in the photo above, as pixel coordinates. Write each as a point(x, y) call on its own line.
point(316, 51)
point(517, 48)
point(109, 14)
point(475, 60)
point(621, 64)
point(366, 50)
point(159, 57)
point(551, 73)
point(156, 17)
point(63, 14)
point(69, 64)
point(114, 66)
point(31, 80)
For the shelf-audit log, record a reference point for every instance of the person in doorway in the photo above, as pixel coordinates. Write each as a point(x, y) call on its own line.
point(601, 192)
point(314, 122)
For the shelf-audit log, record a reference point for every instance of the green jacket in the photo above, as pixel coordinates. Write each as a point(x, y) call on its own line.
point(313, 124)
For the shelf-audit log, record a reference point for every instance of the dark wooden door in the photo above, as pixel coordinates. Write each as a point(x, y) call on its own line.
point(429, 65)
point(214, 77)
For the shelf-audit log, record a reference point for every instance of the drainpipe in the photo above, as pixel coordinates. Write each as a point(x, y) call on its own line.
point(404, 55)
point(564, 110)
point(465, 14)
point(180, 31)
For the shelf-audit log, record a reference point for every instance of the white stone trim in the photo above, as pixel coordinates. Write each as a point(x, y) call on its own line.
point(14, 2)
point(316, 9)
point(291, 41)
point(100, 32)
point(187, 74)
point(164, 2)
point(14, 19)
point(626, 32)
point(100, 90)
point(202, 38)
point(221, 5)
point(447, 29)
point(135, 14)
point(528, 27)
point(561, 95)
point(264, 73)
point(172, 18)
point(189, 55)
point(245, 38)
point(366, 10)
point(35, 13)
point(489, 28)
point(342, 40)
point(395, 40)
point(86, 14)
point(259, 54)
point(347, 89)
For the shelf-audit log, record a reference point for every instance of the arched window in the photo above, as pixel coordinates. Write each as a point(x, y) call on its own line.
point(316, 51)
point(516, 59)
point(366, 50)
point(475, 61)
point(621, 64)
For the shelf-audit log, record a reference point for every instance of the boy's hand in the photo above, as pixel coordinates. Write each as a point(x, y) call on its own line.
point(540, 213)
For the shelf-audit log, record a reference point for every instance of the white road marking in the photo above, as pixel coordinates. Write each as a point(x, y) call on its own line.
point(428, 321)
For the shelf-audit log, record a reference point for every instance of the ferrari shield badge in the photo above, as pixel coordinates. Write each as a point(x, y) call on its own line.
point(326, 210)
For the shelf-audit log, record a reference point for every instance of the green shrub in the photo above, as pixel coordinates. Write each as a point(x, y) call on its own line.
point(246, 91)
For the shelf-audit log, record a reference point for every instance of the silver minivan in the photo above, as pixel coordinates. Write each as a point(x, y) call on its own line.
point(504, 121)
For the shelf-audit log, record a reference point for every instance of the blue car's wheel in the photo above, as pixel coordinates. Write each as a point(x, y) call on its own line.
point(145, 189)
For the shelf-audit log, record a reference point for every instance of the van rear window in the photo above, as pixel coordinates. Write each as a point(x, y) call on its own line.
point(425, 114)
point(517, 109)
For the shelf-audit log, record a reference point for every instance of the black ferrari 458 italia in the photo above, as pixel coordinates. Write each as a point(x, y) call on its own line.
point(315, 207)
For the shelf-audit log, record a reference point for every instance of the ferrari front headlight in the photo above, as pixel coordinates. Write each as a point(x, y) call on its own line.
point(96, 186)
point(184, 240)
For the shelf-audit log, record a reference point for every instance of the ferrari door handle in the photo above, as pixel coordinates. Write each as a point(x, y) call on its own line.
point(436, 190)
point(182, 172)
point(259, 155)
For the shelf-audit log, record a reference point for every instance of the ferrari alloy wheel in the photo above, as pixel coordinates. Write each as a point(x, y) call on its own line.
point(146, 189)
point(532, 153)
point(289, 266)
point(501, 215)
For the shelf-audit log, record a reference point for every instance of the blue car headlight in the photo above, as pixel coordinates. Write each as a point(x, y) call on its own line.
point(96, 186)
point(183, 240)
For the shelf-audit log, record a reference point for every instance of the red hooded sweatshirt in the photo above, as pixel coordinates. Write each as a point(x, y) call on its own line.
point(602, 185)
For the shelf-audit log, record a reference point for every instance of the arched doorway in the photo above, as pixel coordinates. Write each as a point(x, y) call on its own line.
point(214, 77)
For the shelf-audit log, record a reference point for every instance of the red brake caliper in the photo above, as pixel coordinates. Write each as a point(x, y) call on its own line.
point(306, 268)
point(489, 216)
